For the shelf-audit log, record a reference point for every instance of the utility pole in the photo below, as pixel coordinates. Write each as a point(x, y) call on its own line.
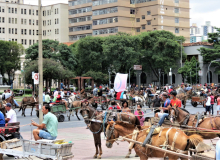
point(40, 63)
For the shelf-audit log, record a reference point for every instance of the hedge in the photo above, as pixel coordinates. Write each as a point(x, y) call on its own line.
point(27, 91)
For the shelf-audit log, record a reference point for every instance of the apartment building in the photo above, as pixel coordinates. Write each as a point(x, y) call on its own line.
point(19, 22)
point(107, 17)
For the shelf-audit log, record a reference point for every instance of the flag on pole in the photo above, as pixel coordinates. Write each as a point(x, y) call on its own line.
point(120, 83)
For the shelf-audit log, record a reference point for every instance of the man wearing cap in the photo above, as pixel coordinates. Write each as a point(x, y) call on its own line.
point(8, 94)
point(11, 115)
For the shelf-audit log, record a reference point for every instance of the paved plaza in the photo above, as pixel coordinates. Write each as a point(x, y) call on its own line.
point(83, 148)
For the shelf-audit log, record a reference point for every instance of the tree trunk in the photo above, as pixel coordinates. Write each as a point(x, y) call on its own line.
point(9, 78)
point(59, 84)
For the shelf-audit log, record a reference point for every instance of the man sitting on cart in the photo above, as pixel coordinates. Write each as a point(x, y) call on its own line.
point(48, 128)
point(11, 115)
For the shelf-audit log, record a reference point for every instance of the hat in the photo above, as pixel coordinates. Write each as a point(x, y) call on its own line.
point(202, 89)
point(8, 104)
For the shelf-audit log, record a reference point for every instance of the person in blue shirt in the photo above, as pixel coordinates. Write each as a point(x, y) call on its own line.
point(2, 119)
point(61, 85)
point(165, 109)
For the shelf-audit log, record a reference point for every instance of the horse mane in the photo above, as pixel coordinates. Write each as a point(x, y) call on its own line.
point(183, 109)
point(126, 125)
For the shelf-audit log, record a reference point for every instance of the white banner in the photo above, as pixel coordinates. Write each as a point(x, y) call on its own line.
point(120, 83)
point(36, 78)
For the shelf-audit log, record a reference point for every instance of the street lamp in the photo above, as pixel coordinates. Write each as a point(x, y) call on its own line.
point(129, 78)
point(181, 61)
point(217, 60)
point(159, 76)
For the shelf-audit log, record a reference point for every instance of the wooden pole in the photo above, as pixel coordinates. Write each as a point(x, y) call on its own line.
point(159, 149)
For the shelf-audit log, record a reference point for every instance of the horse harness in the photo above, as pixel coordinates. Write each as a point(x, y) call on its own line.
point(185, 120)
point(217, 127)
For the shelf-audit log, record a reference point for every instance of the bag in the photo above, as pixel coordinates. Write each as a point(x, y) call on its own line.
point(54, 99)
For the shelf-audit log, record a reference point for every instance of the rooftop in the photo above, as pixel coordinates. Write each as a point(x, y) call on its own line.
point(197, 44)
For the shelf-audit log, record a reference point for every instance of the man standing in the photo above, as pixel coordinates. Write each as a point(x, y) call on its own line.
point(208, 104)
point(11, 115)
point(48, 128)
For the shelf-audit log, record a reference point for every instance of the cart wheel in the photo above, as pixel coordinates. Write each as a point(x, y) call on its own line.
point(194, 104)
point(61, 118)
point(37, 113)
point(104, 107)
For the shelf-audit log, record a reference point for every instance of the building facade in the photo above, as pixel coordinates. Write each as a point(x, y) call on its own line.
point(19, 22)
point(107, 17)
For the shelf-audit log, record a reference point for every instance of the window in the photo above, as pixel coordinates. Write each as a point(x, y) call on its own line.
point(9, 30)
point(9, 10)
point(29, 21)
point(16, 40)
point(36, 12)
point(9, 20)
point(132, 11)
point(176, 20)
point(29, 31)
point(0, 19)
point(3, 19)
point(37, 32)
point(12, 31)
point(15, 30)
point(33, 11)
point(25, 21)
point(15, 20)
point(21, 11)
point(12, 20)
point(33, 41)
point(48, 13)
point(24, 11)
point(33, 21)
point(148, 12)
point(25, 31)
point(3, 9)
point(25, 41)
point(29, 11)
point(176, 30)
point(0, 8)
point(0, 30)
point(37, 22)
point(22, 41)
point(57, 11)
point(33, 32)
point(138, 29)
point(57, 31)
point(50, 22)
point(176, 1)
point(3, 30)
point(143, 27)
point(148, 22)
point(101, 2)
point(15, 10)
point(105, 11)
point(105, 31)
point(22, 31)
point(176, 10)
point(80, 10)
point(57, 21)
point(29, 42)
point(143, 16)
point(80, 28)
point(12, 10)
point(137, 19)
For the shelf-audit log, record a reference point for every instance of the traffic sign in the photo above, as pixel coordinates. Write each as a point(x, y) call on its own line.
point(36, 78)
point(32, 75)
point(138, 67)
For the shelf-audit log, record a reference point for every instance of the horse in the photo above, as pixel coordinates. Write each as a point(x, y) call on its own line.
point(185, 118)
point(89, 113)
point(74, 105)
point(28, 101)
point(173, 139)
point(3, 104)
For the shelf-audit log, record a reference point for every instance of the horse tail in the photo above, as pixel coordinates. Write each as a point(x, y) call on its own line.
point(195, 139)
point(137, 122)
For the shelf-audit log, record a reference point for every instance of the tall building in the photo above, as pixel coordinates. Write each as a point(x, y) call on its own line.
point(207, 28)
point(107, 17)
point(19, 22)
point(194, 30)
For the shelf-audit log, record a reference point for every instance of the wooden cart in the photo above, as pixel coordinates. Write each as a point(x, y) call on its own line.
point(197, 101)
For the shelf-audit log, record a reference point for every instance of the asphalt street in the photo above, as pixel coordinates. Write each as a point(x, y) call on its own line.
point(74, 122)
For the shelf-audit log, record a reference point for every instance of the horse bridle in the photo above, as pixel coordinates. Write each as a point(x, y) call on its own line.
point(110, 132)
point(185, 119)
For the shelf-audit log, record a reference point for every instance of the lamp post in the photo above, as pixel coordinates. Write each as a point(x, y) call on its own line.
point(181, 61)
point(217, 60)
point(129, 78)
point(159, 76)
point(109, 71)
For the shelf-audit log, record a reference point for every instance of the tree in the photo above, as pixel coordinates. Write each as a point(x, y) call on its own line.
point(99, 77)
point(122, 51)
point(160, 50)
point(190, 66)
point(4, 49)
point(210, 54)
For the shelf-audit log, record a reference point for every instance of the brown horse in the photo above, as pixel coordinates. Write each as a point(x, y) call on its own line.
point(2, 105)
point(210, 123)
point(28, 101)
point(75, 106)
point(96, 128)
point(116, 129)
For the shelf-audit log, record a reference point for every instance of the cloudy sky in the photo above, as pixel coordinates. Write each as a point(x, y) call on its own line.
point(201, 10)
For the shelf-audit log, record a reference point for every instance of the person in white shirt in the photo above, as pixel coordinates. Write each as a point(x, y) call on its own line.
point(3, 95)
point(11, 115)
point(62, 93)
point(208, 104)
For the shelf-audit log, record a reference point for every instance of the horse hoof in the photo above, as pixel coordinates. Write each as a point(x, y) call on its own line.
point(99, 157)
point(127, 157)
point(95, 156)
point(136, 155)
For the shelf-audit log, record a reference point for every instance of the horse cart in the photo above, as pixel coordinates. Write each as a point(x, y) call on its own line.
point(44, 149)
point(59, 109)
point(197, 101)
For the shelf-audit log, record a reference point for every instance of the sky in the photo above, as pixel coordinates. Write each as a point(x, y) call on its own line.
point(201, 10)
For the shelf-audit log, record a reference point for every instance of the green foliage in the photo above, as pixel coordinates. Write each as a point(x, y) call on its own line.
point(210, 54)
point(99, 77)
point(160, 50)
point(27, 91)
point(190, 66)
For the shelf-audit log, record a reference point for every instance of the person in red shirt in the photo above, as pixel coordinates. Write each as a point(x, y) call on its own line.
point(212, 102)
point(59, 98)
point(175, 101)
point(118, 95)
point(114, 106)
